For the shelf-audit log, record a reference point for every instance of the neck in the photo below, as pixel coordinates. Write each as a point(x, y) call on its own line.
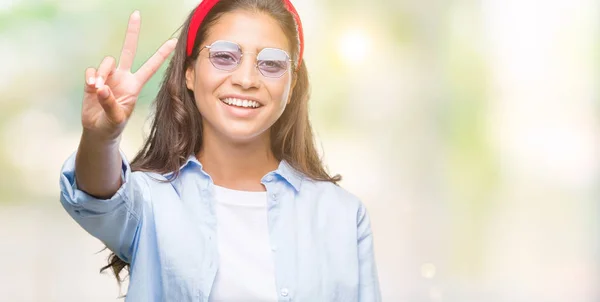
point(237, 165)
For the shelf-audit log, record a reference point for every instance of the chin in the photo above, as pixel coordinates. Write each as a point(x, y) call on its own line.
point(243, 135)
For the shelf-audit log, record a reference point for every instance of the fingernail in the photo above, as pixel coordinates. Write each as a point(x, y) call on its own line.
point(91, 81)
point(136, 13)
point(99, 82)
point(103, 93)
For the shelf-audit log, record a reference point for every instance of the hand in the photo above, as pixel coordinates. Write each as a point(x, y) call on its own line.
point(111, 92)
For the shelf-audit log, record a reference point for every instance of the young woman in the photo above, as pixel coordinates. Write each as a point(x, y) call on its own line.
point(228, 199)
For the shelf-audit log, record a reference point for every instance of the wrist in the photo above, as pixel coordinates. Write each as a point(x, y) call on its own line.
point(100, 140)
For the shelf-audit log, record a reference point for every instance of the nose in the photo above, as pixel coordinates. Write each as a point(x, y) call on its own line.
point(246, 75)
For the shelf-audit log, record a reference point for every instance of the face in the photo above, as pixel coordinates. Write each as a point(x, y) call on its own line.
point(241, 104)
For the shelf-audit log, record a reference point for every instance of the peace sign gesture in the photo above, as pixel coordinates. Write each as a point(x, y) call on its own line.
point(111, 91)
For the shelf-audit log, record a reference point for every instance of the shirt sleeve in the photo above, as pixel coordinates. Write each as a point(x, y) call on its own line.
point(113, 221)
point(368, 280)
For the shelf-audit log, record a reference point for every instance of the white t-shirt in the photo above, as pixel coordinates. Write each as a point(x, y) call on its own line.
point(246, 270)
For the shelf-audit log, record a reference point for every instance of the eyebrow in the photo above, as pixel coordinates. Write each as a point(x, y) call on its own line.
point(257, 49)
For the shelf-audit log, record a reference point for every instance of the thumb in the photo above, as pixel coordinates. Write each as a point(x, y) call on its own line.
point(107, 100)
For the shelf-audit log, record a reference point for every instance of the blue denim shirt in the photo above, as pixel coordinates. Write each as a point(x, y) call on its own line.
point(321, 239)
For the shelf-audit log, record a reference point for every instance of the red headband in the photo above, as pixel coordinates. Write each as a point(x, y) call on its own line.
point(206, 5)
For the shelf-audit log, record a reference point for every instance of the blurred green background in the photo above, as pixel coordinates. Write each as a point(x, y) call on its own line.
point(470, 129)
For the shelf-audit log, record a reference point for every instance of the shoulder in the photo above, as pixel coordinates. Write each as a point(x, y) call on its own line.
point(148, 184)
point(331, 195)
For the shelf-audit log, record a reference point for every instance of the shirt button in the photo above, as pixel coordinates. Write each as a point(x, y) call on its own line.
point(273, 248)
point(274, 196)
point(269, 178)
point(284, 292)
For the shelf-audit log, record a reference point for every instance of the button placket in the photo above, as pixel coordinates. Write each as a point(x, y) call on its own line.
point(274, 197)
point(285, 292)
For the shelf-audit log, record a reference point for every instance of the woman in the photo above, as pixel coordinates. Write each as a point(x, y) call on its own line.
point(228, 199)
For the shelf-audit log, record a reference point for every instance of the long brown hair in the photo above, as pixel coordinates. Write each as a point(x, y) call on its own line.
point(176, 131)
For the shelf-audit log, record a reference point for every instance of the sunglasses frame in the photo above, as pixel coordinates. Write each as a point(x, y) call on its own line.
point(242, 56)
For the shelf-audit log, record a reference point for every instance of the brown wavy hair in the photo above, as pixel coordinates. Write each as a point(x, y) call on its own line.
point(176, 131)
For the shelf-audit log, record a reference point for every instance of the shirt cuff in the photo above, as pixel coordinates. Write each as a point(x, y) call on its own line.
point(83, 203)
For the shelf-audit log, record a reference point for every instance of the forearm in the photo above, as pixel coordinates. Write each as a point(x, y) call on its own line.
point(98, 166)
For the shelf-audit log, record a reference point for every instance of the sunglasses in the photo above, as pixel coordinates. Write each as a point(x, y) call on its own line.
point(227, 56)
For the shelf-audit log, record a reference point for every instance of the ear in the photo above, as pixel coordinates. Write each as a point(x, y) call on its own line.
point(294, 78)
point(190, 78)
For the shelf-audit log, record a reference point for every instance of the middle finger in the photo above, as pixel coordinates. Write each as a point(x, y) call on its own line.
point(131, 40)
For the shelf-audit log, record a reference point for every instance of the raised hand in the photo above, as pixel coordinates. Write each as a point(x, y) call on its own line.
point(111, 91)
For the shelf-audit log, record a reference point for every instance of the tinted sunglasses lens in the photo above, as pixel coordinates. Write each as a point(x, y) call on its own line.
point(273, 62)
point(224, 55)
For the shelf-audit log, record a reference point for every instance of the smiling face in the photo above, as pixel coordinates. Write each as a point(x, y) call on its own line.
point(240, 105)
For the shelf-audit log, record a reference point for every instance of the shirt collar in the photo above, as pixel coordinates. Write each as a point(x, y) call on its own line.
point(191, 160)
point(291, 175)
point(285, 170)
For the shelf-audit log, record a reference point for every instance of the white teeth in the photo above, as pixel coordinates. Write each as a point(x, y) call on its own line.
point(241, 103)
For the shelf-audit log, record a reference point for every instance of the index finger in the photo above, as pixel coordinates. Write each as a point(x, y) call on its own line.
point(151, 66)
point(131, 39)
